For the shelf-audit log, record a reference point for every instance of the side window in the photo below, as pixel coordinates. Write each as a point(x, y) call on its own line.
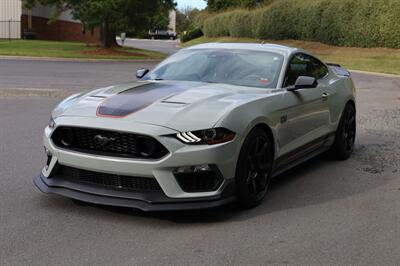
point(304, 65)
point(319, 70)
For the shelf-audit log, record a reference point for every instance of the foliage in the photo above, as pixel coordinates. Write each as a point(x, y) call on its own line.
point(185, 19)
point(190, 35)
point(362, 23)
point(219, 5)
point(198, 20)
point(114, 15)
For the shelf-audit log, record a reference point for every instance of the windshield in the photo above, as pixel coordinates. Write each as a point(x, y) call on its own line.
point(236, 67)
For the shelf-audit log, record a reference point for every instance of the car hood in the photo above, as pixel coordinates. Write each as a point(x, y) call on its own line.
point(176, 105)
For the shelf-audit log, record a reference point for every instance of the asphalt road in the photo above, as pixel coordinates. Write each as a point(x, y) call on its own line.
point(323, 212)
point(66, 75)
point(77, 75)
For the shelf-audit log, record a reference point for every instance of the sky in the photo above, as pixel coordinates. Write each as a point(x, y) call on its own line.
point(200, 4)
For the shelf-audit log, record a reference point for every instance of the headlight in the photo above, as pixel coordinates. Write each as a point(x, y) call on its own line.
point(52, 123)
point(207, 136)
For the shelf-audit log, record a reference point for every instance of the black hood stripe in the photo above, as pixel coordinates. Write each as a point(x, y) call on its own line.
point(135, 99)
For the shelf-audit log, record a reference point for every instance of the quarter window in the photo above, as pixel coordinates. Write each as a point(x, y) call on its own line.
point(304, 65)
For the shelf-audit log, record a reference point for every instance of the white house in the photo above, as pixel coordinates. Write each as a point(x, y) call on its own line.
point(16, 22)
point(10, 19)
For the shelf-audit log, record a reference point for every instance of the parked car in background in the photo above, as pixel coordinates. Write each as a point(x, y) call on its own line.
point(163, 34)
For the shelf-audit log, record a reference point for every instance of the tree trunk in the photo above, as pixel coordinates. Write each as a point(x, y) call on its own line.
point(108, 35)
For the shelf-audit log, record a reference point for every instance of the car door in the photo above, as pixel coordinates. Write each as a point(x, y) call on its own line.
point(305, 112)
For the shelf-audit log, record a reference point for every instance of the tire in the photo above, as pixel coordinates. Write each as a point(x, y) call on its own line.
point(343, 145)
point(253, 170)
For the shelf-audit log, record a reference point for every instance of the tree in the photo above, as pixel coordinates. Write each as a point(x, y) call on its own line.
point(185, 18)
point(219, 5)
point(113, 16)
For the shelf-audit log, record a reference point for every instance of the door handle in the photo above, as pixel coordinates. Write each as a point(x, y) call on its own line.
point(325, 96)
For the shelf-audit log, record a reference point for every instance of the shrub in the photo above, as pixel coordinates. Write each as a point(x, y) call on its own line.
point(198, 20)
point(239, 24)
point(362, 23)
point(190, 35)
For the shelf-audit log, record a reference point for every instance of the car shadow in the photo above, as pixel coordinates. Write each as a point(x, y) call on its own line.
point(231, 212)
point(319, 180)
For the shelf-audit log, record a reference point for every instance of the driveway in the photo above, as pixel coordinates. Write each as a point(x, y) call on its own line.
point(163, 46)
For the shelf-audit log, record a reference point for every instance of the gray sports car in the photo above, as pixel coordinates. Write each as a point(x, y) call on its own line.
point(210, 125)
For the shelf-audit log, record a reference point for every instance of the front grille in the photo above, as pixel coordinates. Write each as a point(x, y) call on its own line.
point(118, 182)
point(109, 143)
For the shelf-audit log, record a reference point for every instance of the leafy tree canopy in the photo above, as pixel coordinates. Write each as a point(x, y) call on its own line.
point(185, 18)
point(114, 15)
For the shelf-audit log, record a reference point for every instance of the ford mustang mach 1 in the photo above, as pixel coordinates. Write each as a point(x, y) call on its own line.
point(210, 125)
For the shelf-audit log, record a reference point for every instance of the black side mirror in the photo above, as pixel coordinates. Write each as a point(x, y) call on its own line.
point(304, 82)
point(141, 73)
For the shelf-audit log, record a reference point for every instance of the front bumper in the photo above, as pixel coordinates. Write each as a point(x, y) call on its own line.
point(172, 196)
point(149, 201)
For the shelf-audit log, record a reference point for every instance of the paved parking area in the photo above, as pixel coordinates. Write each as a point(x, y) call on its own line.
point(320, 213)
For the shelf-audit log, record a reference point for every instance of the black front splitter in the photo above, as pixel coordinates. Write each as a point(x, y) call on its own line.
point(159, 203)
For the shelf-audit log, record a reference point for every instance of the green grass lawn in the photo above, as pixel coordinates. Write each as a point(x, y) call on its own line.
point(381, 60)
point(72, 50)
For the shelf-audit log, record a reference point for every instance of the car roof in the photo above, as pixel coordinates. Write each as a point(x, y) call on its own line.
point(267, 47)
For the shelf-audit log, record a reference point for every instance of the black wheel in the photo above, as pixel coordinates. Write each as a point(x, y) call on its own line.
point(253, 171)
point(346, 134)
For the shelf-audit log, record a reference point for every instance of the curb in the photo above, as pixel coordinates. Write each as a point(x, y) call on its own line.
point(374, 73)
point(83, 60)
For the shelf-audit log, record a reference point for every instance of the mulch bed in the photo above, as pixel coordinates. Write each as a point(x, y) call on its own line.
point(111, 52)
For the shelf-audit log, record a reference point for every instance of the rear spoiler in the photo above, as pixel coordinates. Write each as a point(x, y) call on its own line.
point(339, 70)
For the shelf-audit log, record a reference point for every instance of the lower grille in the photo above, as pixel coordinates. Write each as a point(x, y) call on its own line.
point(204, 181)
point(118, 182)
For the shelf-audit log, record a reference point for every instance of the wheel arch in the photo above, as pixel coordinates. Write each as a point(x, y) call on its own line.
point(267, 129)
point(352, 102)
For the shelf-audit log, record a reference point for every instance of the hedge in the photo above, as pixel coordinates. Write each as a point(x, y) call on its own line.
point(360, 23)
point(190, 35)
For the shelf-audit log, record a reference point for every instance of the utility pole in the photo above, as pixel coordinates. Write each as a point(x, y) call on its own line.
point(9, 30)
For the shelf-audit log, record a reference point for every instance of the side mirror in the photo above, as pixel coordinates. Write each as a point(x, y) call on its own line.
point(304, 82)
point(141, 73)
